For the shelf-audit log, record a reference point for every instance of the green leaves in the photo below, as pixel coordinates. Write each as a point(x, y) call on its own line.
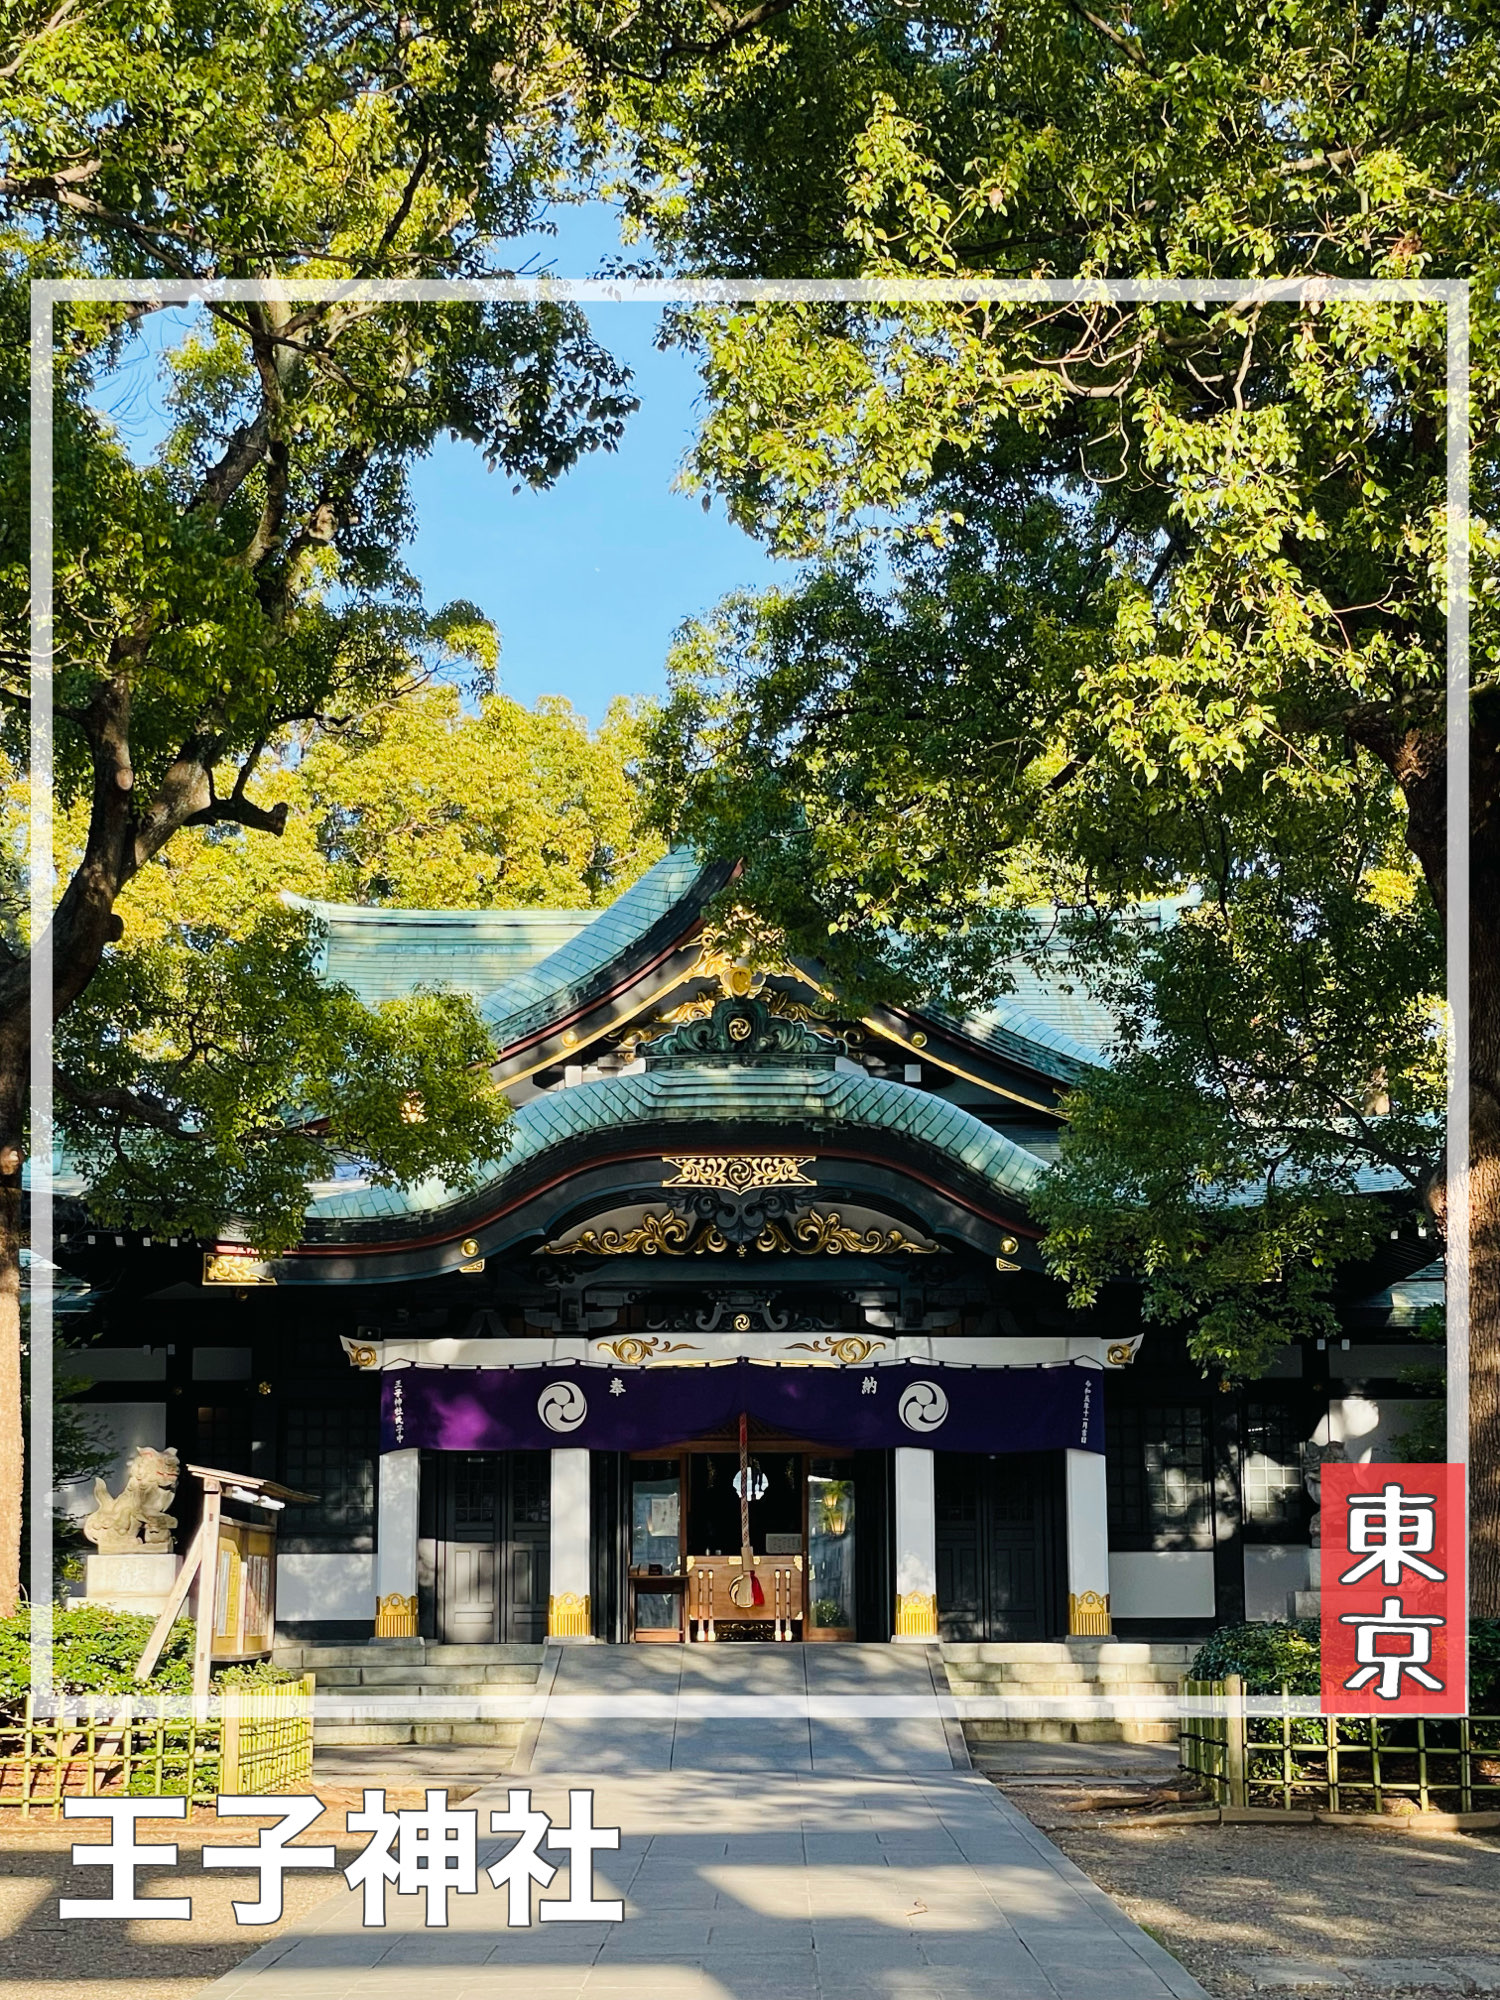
point(1111, 602)
point(214, 1075)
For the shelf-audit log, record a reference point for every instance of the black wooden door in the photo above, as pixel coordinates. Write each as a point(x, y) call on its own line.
point(492, 1554)
point(997, 1545)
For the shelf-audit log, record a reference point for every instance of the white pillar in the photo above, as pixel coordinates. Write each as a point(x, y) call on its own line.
point(1088, 1545)
point(396, 1542)
point(568, 1611)
point(916, 1545)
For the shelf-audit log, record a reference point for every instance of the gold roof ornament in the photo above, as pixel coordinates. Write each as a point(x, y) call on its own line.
point(808, 1233)
point(738, 1173)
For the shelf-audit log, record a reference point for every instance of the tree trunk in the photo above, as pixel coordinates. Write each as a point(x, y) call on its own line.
point(12, 1441)
point(1484, 1372)
point(1484, 1191)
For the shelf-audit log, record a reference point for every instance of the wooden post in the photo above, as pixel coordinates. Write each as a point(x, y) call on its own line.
point(175, 1601)
point(208, 1577)
point(1234, 1706)
point(229, 1740)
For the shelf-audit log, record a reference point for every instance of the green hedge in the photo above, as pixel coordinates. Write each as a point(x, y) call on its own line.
point(94, 1651)
point(1289, 1654)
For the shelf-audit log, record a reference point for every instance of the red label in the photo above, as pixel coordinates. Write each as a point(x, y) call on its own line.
point(1395, 1640)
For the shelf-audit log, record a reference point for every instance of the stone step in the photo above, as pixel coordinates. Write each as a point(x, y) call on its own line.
point(1163, 1652)
point(402, 1652)
point(1057, 1729)
point(502, 1732)
point(1038, 1692)
point(1020, 1671)
point(417, 1674)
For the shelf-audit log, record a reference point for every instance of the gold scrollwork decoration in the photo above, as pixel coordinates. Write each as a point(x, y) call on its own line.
point(231, 1267)
point(631, 1348)
point(811, 1234)
point(850, 1348)
point(665, 1235)
point(818, 1235)
point(363, 1357)
point(738, 1173)
point(1120, 1353)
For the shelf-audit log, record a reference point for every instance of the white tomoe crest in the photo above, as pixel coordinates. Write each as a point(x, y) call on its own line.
point(562, 1406)
point(923, 1407)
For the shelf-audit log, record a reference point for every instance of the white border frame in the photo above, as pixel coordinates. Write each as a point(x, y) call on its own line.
point(1451, 294)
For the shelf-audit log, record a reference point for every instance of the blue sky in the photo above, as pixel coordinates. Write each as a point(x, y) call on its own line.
point(588, 581)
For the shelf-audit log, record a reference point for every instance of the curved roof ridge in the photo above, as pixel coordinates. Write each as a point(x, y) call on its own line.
point(1015, 1031)
point(534, 998)
point(465, 913)
point(702, 1096)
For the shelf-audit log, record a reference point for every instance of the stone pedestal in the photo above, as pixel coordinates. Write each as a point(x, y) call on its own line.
point(139, 1583)
point(1309, 1603)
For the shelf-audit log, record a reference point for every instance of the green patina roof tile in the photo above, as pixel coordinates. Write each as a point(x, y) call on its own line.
point(729, 1098)
point(385, 954)
point(563, 980)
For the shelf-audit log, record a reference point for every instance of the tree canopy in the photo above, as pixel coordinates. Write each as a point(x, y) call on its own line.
point(1104, 602)
point(250, 580)
point(210, 1071)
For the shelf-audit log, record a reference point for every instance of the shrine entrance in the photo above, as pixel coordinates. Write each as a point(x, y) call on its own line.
point(1000, 1535)
point(693, 1518)
point(483, 1556)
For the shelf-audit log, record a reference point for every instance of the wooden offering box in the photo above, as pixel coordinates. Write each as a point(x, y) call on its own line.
point(717, 1593)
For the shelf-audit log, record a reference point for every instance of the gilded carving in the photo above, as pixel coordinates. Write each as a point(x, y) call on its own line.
point(809, 1233)
point(220, 1268)
point(739, 1172)
point(741, 1031)
point(631, 1348)
point(1120, 1353)
point(850, 1348)
point(815, 1235)
point(362, 1357)
point(666, 1235)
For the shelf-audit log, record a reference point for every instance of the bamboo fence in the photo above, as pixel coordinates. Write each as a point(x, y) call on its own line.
point(254, 1739)
point(1337, 1763)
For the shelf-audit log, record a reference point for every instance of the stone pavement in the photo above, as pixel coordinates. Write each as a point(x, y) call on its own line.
point(775, 1842)
point(848, 1710)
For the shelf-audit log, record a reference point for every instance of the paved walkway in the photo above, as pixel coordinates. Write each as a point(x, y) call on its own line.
point(785, 1846)
point(833, 1710)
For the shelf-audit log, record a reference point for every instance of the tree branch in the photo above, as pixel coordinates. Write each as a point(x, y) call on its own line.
point(237, 810)
point(48, 27)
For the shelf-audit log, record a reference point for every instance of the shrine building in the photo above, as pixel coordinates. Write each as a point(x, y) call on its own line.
point(747, 1335)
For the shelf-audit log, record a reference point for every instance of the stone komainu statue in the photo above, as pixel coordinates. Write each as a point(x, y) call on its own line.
point(136, 1519)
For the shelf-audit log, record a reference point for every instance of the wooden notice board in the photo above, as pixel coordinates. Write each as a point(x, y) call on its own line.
point(244, 1617)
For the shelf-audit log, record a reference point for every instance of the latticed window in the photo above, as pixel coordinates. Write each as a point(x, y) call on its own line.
point(223, 1437)
point(1160, 1473)
point(331, 1450)
point(1273, 1467)
point(531, 1489)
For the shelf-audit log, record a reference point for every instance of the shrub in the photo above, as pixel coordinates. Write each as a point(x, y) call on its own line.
point(1272, 1655)
point(94, 1651)
point(1266, 1656)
